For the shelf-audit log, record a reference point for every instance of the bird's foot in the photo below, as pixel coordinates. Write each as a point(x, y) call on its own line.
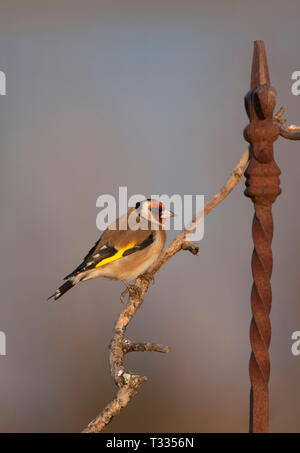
point(123, 294)
point(147, 277)
point(132, 290)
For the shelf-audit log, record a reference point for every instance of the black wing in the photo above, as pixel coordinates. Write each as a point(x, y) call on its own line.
point(92, 258)
point(148, 241)
point(96, 255)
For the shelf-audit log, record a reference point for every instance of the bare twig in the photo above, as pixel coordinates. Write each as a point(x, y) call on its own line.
point(129, 346)
point(291, 132)
point(127, 381)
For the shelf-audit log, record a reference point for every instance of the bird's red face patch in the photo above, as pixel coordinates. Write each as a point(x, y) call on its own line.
point(156, 208)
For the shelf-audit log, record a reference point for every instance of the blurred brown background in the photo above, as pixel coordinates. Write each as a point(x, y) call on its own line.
point(148, 95)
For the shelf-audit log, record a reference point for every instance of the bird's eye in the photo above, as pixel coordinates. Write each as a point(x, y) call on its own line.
point(138, 204)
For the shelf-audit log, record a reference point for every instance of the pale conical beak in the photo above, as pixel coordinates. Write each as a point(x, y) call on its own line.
point(166, 214)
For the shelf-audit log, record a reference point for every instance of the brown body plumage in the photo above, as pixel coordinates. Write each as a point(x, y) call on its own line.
point(126, 249)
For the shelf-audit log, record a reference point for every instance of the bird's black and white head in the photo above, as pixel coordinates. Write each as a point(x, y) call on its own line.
point(153, 211)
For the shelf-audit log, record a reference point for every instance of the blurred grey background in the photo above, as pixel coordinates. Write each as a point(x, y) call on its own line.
point(148, 95)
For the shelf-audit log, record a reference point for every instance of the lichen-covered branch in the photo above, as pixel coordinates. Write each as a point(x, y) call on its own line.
point(128, 381)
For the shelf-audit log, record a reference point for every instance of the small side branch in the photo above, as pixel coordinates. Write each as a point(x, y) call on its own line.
point(141, 347)
point(291, 132)
point(128, 381)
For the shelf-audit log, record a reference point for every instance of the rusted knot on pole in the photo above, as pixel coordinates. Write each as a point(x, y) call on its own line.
point(261, 131)
point(262, 186)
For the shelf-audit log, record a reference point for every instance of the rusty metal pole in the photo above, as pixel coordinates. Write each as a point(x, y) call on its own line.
point(262, 186)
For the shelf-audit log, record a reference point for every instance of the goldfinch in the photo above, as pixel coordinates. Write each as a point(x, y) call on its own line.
point(126, 249)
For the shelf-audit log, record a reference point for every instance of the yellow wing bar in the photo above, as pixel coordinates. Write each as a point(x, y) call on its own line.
point(117, 255)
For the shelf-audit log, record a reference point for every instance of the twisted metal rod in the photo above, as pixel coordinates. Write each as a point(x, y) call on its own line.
point(260, 328)
point(262, 186)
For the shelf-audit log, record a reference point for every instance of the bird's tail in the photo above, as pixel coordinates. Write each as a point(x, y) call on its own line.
point(62, 290)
